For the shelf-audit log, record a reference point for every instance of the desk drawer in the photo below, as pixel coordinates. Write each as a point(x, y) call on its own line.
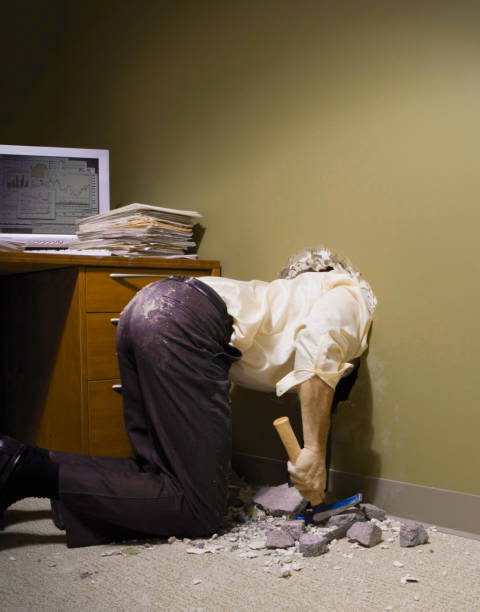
point(105, 293)
point(102, 362)
point(107, 435)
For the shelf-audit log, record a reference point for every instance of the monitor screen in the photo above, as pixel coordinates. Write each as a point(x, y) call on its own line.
point(45, 190)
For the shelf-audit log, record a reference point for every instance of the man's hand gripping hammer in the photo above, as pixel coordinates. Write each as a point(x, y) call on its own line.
point(315, 509)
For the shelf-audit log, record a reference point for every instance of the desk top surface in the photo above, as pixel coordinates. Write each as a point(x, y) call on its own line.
point(20, 262)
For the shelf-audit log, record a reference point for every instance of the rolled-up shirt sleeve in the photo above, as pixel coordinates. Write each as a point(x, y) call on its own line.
point(334, 334)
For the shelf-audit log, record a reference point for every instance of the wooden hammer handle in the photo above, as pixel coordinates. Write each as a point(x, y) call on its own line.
point(291, 445)
point(288, 438)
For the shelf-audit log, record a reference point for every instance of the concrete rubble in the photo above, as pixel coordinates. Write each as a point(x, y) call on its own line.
point(366, 533)
point(278, 538)
point(413, 534)
point(372, 511)
point(341, 523)
point(408, 578)
point(346, 518)
point(294, 528)
point(261, 524)
point(313, 545)
point(281, 500)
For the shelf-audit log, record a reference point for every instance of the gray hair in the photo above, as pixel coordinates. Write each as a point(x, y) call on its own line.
point(322, 259)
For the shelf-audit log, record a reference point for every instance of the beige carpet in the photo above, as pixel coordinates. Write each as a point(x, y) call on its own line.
point(38, 572)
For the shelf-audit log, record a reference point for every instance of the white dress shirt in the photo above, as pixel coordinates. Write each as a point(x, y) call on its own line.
point(291, 330)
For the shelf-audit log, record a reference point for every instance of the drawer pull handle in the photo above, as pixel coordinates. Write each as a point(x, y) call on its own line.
point(119, 275)
point(114, 321)
point(117, 389)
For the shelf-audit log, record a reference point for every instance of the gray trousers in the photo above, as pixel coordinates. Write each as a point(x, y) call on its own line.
point(174, 355)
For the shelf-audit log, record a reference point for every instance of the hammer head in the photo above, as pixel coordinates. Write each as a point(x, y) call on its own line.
point(322, 511)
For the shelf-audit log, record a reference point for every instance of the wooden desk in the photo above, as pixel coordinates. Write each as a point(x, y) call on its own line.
point(58, 359)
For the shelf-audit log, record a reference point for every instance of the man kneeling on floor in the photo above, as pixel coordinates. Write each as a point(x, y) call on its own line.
point(181, 341)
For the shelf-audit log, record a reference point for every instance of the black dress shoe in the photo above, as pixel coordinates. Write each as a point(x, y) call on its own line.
point(11, 453)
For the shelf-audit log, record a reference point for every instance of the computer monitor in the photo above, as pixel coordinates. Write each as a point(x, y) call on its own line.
point(45, 190)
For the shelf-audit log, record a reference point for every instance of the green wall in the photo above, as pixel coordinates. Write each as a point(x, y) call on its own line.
point(292, 123)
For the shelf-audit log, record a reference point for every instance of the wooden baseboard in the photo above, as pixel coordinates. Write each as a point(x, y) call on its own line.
point(451, 511)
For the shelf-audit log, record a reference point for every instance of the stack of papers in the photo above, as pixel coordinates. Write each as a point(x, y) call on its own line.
point(138, 229)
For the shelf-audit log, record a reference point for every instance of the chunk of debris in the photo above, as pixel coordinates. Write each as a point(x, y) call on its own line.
point(342, 523)
point(413, 534)
point(398, 564)
point(372, 511)
point(346, 518)
point(408, 578)
point(280, 500)
point(312, 545)
point(336, 534)
point(285, 571)
point(294, 528)
point(196, 581)
point(365, 533)
point(277, 538)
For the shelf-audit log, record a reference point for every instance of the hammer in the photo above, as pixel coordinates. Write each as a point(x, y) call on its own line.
point(315, 510)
